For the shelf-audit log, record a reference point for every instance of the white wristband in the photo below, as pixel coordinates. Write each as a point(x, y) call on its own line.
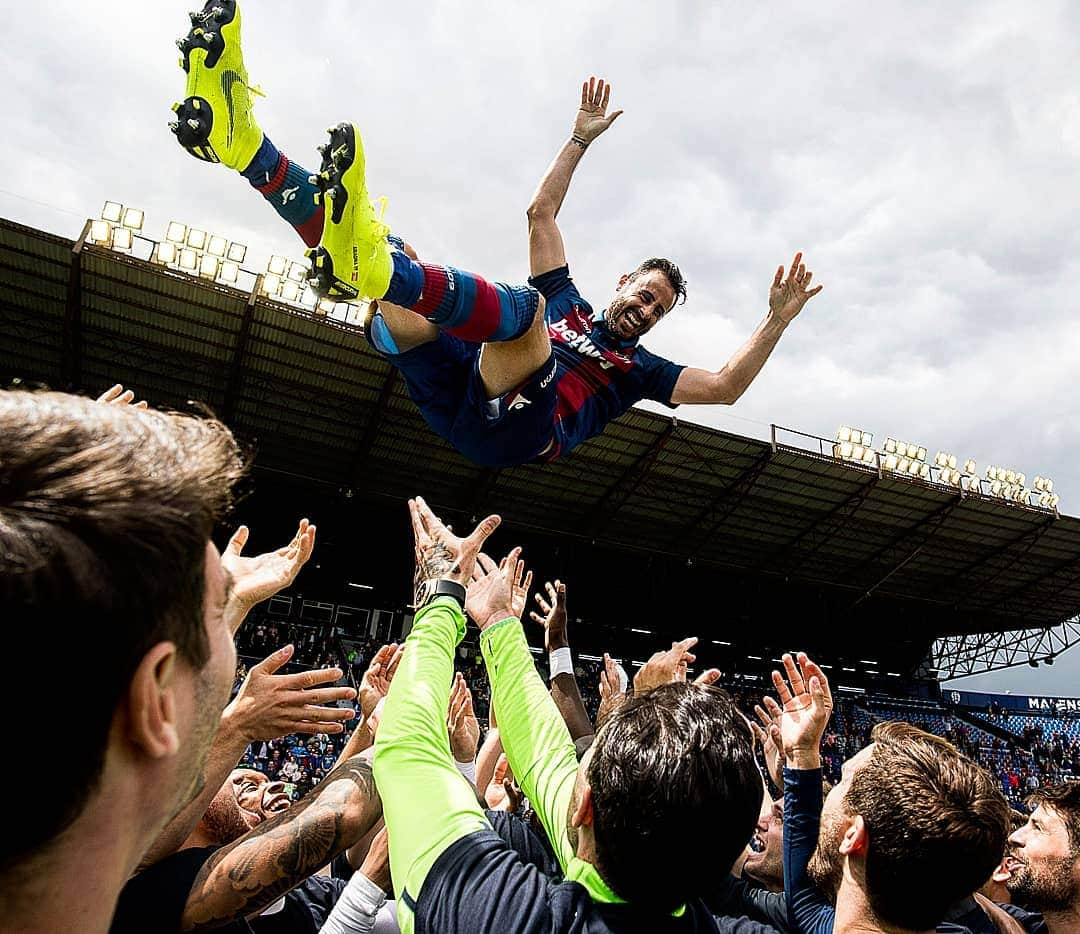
point(560, 662)
point(468, 769)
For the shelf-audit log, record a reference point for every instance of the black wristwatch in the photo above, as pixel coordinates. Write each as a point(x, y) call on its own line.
point(430, 589)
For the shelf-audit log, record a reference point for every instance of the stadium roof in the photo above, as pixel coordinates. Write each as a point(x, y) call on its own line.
point(320, 405)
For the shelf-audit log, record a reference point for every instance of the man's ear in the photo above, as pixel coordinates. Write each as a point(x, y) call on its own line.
point(623, 279)
point(152, 703)
point(1001, 874)
point(856, 838)
point(583, 813)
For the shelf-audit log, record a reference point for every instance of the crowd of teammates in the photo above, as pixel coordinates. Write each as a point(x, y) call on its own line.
point(671, 805)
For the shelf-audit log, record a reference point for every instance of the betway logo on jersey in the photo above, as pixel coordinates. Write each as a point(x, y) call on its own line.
point(573, 331)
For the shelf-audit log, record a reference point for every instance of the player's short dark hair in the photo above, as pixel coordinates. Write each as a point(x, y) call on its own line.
point(675, 759)
point(1064, 800)
point(670, 270)
point(936, 822)
point(105, 514)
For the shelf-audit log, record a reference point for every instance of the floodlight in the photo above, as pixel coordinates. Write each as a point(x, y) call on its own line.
point(112, 212)
point(176, 232)
point(277, 265)
point(133, 219)
point(991, 473)
point(995, 487)
point(165, 253)
point(121, 238)
point(922, 454)
point(271, 284)
point(298, 272)
point(1049, 485)
point(1010, 476)
point(890, 446)
point(1037, 483)
point(867, 438)
point(869, 456)
point(325, 306)
point(913, 468)
point(100, 232)
point(924, 471)
point(189, 259)
point(952, 461)
point(196, 239)
point(843, 433)
point(1002, 474)
point(972, 485)
point(1054, 500)
point(290, 291)
point(903, 465)
point(891, 461)
point(229, 272)
point(970, 466)
point(309, 299)
point(857, 452)
point(208, 266)
point(237, 252)
point(1020, 478)
point(941, 459)
point(217, 246)
point(912, 450)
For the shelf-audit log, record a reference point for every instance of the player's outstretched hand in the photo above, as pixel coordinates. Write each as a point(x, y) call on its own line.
point(787, 296)
point(592, 117)
point(799, 720)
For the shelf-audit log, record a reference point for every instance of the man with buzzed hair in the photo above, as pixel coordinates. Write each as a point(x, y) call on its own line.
point(106, 514)
point(1045, 858)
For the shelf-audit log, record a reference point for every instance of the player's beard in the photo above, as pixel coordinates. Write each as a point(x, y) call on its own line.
point(1053, 887)
point(223, 820)
point(613, 317)
point(826, 865)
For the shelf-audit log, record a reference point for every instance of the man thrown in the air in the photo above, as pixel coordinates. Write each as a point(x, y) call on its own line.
point(508, 374)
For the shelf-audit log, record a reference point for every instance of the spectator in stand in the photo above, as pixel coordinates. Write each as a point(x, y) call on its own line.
point(106, 515)
point(1045, 858)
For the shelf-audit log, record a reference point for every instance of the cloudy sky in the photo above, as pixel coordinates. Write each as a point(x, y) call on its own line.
point(923, 156)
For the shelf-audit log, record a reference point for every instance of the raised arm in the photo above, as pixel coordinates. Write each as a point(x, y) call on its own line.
point(726, 385)
point(546, 250)
point(564, 686)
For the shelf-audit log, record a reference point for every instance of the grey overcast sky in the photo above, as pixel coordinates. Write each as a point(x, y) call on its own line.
point(924, 156)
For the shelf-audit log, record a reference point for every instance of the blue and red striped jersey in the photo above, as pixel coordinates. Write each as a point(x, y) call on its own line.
point(598, 377)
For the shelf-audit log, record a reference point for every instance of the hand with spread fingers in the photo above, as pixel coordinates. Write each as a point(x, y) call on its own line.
point(592, 116)
point(259, 577)
point(519, 584)
point(270, 705)
point(772, 746)
point(800, 717)
point(665, 667)
point(440, 554)
point(554, 617)
point(118, 395)
point(461, 722)
point(489, 598)
point(375, 683)
point(787, 296)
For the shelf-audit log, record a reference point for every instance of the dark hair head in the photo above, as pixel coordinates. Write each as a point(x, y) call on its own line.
point(677, 758)
point(1063, 800)
point(671, 272)
point(105, 514)
point(936, 822)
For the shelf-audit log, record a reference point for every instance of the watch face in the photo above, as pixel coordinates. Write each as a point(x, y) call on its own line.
point(426, 592)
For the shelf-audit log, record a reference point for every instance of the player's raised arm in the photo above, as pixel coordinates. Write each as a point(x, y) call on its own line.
point(546, 250)
point(786, 300)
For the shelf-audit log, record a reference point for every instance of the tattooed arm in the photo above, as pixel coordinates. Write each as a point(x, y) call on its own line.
point(242, 879)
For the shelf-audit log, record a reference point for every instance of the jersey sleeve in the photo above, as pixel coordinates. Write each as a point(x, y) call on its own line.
point(154, 900)
point(537, 741)
point(555, 283)
point(658, 376)
point(427, 802)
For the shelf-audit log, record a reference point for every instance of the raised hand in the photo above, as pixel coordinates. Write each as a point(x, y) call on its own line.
point(259, 577)
point(489, 597)
point(772, 746)
point(118, 395)
point(501, 793)
point(665, 667)
point(439, 552)
point(612, 691)
point(592, 118)
point(554, 615)
point(519, 584)
point(461, 722)
point(803, 712)
point(270, 705)
point(376, 681)
point(787, 296)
